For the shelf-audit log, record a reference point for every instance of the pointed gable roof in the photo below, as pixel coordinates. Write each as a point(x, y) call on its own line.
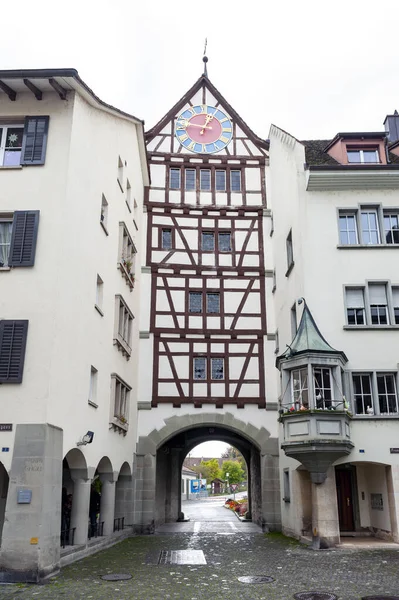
point(308, 338)
point(204, 82)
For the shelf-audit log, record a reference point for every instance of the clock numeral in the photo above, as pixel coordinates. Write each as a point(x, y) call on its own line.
point(226, 129)
point(191, 146)
point(224, 139)
point(191, 111)
point(224, 120)
point(181, 125)
point(203, 149)
point(204, 109)
point(215, 147)
point(183, 137)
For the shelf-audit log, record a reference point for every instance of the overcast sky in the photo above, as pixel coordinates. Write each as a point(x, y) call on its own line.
point(313, 68)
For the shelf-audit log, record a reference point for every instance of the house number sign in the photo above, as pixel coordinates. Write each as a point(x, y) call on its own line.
point(5, 426)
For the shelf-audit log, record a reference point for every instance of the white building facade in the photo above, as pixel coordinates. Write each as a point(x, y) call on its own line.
point(335, 241)
point(73, 171)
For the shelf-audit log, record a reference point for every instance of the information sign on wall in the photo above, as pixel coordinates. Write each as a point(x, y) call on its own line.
point(377, 502)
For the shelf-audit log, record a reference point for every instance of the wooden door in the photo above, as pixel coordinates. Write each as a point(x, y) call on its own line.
point(345, 499)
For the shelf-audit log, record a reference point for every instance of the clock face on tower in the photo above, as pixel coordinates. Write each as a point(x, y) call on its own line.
point(204, 129)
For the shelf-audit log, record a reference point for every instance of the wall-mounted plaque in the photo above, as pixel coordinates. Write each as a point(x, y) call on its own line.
point(5, 426)
point(394, 450)
point(377, 502)
point(24, 496)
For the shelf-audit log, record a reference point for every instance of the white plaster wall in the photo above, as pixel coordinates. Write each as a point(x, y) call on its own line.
point(66, 334)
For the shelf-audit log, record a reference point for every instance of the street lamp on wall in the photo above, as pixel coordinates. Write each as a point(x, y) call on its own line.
point(86, 439)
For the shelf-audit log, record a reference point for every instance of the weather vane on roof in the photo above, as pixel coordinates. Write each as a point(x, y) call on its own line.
point(205, 59)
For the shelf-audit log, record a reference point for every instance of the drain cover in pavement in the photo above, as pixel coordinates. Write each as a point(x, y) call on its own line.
point(116, 577)
point(182, 557)
point(256, 579)
point(315, 596)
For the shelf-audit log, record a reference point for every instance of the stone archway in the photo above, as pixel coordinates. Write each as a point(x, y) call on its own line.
point(4, 479)
point(160, 456)
point(123, 498)
point(75, 483)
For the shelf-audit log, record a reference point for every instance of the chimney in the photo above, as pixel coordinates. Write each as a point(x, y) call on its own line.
point(392, 127)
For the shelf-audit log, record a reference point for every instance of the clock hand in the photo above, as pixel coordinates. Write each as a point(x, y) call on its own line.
point(207, 119)
point(187, 124)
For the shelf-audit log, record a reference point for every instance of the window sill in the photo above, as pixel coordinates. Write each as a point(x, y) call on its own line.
point(370, 327)
point(105, 229)
point(366, 246)
point(93, 404)
point(123, 346)
point(98, 309)
point(129, 277)
point(118, 426)
point(288, 271)
point(5, 168)
point(377, 417)
point(5, 268)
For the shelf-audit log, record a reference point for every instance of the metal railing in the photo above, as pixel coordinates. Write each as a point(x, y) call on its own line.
point(95, 530)
point(67, 537)
point(119, 523)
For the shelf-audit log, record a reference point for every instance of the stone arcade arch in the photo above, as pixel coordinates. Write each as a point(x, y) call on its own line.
point(160, 456)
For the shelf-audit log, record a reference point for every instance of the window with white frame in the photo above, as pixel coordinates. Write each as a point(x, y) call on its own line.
point(220, 181)
point(128, 198)
point(121, 393)
point(190, 179)
point(347, 229)
point(362, 393)
point(387, 394)
point(174, 179)
point(120, 173)
point(369, 225)
point(363, 155)
point(104, 213)
point(300, 387)
point(290, 250)
point(124, 329)
point(322, 387)
point(375, 393)
point(391, 228)
point(235, 181)
point(93, 386)
point(205, 180)
point(99, 294)
point(395, 304)
point(11, 137)
point(127, 251)
point(5, 239)
point(378, 304)
point(355, 311)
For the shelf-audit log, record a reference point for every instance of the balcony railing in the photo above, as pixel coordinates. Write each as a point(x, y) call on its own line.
point(95, 530)
point(67, 537)
point(119, 523)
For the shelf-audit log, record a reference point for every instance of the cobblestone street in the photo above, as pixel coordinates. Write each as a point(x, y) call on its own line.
point(232, 549)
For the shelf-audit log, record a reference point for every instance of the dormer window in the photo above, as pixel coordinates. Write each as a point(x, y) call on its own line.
point(363, 155)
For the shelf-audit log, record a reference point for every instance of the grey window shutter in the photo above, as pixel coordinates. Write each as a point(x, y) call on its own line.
point(13, 336)
point(34, 141)
point(23, 238)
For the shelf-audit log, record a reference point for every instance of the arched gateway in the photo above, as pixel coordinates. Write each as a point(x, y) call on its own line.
point(204, 337)
point(160, 456)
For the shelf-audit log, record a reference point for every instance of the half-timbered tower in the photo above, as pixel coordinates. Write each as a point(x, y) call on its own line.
point(204, 334)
